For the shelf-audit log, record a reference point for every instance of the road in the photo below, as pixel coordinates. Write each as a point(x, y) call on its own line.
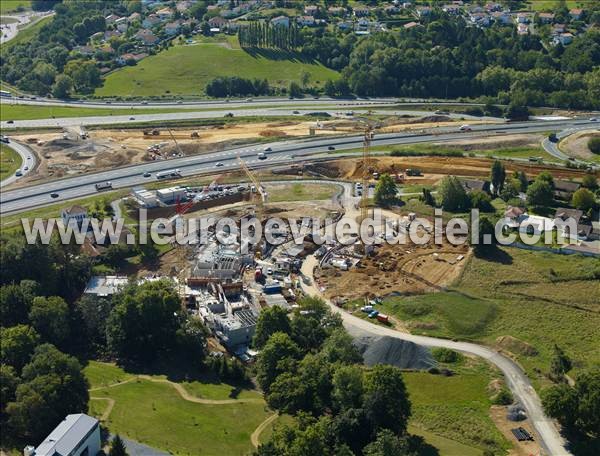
point(27, 158)
point(283, 152)
point(518, 382)
point(9, 31)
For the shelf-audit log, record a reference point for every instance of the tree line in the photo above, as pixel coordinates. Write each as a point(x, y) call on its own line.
point(266, 35)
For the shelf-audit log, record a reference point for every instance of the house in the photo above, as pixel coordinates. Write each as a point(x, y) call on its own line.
point(111, 33)
point(559, 28)
point(111, 19)
point(423, 11)
point(280, 21)
point(480, 19)
point(122, 27)
point(565, 214)
point(183, 6)
point(391, 9)
point(311, 10)
point(513, 216)
point(451, 9)
point(73, 215)
point(105, 285)
point(336, 10)
point(172, 28)
point(344, 25)
point(76, 435)
point(147, 37)
point(500, 17)
point(546, 18)
point(84, 50)
point(534, 224)
point(522, 18)
point(411, 25)
point(306, 21)
point(563, 38)
point(576, 14)
point(361, 11)
point(493, 7)
point(123, 59)
point(474, 184)
point(522, 29)
point(564, 189)
point(150, 21)
point(217, 22)
point(134, 17)
point(164, 14)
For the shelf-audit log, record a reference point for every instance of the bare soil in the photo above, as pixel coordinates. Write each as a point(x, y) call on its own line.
point(576, 145)
point(498, 415)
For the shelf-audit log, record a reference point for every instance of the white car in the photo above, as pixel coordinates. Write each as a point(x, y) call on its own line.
point(465, 128)
point(593, 119)
point(269, 271)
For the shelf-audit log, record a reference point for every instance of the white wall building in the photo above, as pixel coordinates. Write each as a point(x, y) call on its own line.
point(76, 435)
point(73, 215)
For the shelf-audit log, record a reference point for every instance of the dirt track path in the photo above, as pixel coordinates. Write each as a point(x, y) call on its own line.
point(111, 404)
point(261, 427)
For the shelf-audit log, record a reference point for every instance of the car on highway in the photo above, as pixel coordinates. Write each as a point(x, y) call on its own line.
point(147, 174)
point(219, 164)
point(26, 168)
point(132, 118)
point(262, 156)
point(180, 102)
point(593, 119)
point(53, 195)
point(267, 149)
point(10, 121)
point(465, 128)
point(144, 102)
point(296, 112)
point(331, 148)
point(18, 173)
point(108, 102)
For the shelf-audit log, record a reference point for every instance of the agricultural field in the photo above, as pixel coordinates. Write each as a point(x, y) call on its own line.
point(520, 301)
point(174, 417)
point(10, 161)
point(186, 69)
point(11, 6)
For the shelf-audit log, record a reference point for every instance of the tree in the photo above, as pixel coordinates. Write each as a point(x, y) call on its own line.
point(329, 88)
point(453, 195)
point(594, 145)
point(540, 194)
point(428, 197)
point(481, 200)
point(17, 345)
point(348, 388)
point(385, 190)
point(560, 364)
point(62, 86)
point(15, 301)
point(386, 399)
point(50, 317)
point(583, 199)
point(280, 354)
point(304, 78)
point(143, 321)
point(517, 112)
point(117, 447)
point(511, 189)
point(388, 444)
point(522, 178)
point(339, 348)
point(52, 387)
point(486, 230)
point(9, 381)
point(271, 320)
point(498, 176)
point(590, 181)
point(94, 312)
point(295, 90)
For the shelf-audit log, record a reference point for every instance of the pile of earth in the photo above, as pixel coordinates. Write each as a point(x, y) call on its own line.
point(397, 352)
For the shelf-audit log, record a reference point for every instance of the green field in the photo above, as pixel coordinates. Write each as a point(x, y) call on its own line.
point(551, 5)
point(186, 69)
point(10, 161)
point(539, 298)
point(500, 152)
point(301, 192)
point(155, 414)
point(9, 6)
point(29, 112)
point(27, 33)
point(455, 408)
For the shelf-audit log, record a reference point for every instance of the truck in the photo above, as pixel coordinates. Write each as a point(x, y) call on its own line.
point(170, 174)
point(103, 186)
point(258, 274)
point(413, 172)
point(383, 318)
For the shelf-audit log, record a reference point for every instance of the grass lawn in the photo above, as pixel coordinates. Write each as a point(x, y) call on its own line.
point(156, 415)
point(300, 192)
point(8, 20)
point(28, 32)
point(501, 152)
point(9, 6)
point(10, 161)
point(551, 5)
point(539, 298)
point(455, 408)
point(186, 69)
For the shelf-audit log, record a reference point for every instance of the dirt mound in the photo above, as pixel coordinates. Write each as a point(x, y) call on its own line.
point(389, 350)
point(431, 119)
point(514, 345)
point(272, 133)
point(59, 145)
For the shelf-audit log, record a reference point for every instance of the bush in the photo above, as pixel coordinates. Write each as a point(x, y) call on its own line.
point(445, 355)
point(502, 397)
point(594, 145)
point(432, 153)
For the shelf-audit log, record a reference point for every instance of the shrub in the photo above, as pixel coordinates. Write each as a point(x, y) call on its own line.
point(445, 355)
point(502, 397)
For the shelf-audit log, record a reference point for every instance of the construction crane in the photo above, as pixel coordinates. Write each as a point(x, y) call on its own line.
point(366, 158)
point(179, 151)
point(259, 188)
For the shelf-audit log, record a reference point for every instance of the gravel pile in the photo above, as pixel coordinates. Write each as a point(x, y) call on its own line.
point(389, 350)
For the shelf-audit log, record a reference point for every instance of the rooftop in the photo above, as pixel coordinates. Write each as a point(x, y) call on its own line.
point(105, 285)
point(65, 438)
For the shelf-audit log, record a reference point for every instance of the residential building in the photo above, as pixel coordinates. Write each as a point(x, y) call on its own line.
point(493, 7)
point(164, 14)
point(105, 286)
point(423, 11)
point(336, 10)
point(111, 19)
point(73, 215)
point(311, 10)
point(361, 11)
point(217, 22)
point(76, 435)
point(150, 21)
point(123, 59)
point(451, 9)
point(576, 14)
point(84, 50)
point(280, 21)
point(564, 189)
point(306, 21)
point(134, 17)
point(172, 28)
point(480, 19)
point(147, 37)
point(522, 29)
point(563, 38)
point(474, 184)
point(522, 18)
point(546, 18)
point(411, 25)
point(501, 17)
point(184, 5)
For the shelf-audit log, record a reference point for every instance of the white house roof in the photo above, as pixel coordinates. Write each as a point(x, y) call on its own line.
point(65, 437)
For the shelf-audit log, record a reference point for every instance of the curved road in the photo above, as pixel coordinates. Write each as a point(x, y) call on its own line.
point(283, 152)
point(520, 386)
point(28, 161)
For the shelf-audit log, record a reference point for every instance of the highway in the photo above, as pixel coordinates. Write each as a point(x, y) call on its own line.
point(28, 161)
point(283, 152)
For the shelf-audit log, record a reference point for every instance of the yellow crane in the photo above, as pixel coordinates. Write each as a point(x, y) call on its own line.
point(257, 185)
